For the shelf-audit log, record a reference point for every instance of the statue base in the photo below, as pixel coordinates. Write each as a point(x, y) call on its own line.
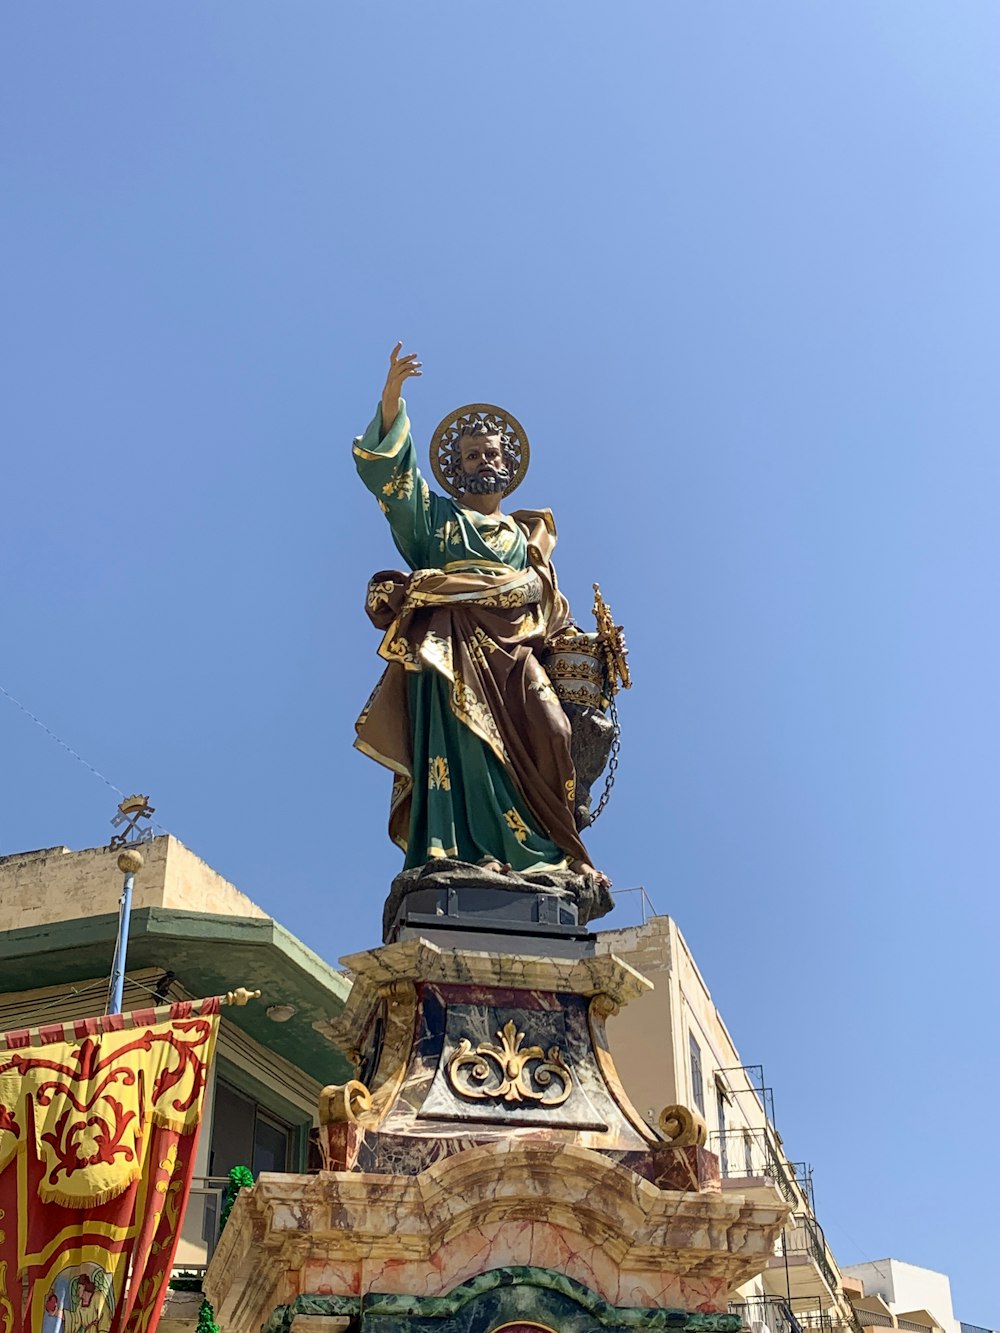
point(486, 1167)
point(458, 896)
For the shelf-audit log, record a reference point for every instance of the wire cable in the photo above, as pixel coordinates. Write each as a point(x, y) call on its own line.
point(68, 748)
point(59, 741)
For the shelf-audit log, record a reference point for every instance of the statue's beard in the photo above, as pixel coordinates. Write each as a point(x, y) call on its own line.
point(487, 483)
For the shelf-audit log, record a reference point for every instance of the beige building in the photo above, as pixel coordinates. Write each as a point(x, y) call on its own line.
point(192, 934)
point(672, 1046)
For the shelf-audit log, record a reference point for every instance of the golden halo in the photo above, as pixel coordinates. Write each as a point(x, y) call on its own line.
point(445, 458)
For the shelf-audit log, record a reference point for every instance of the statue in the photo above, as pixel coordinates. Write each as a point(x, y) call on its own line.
point(465, 714)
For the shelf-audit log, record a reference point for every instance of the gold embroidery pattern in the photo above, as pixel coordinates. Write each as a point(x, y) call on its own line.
point(402, 786)
point(437, 653)
point(6, 1309)
point(481, 644)
point(383, 506)
point(507, 601)
point(363, 716)
point(527, 593)
point(544, 691)
point(571, 790)
point(448, 534)
point(400, 484)
point(438, 777)
point(516, 825)
point(425, 494)
point(470, 709)
point(398, 650)
point(378, 595)
point(498, 537)
point(502, 1073)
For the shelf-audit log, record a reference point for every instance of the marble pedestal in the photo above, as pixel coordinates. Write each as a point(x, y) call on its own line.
point(486, 1168)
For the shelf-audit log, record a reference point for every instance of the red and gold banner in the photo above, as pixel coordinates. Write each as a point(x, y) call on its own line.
point(98, 1127)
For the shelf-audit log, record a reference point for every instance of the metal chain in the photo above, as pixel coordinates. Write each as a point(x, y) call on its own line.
point(616, 745)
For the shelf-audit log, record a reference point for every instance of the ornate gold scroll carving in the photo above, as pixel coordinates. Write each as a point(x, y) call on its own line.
point(682, 1127)
point(510, 1072)
point(350, 1101)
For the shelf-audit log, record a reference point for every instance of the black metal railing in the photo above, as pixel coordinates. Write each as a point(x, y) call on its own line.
point(803, 1174)
point(804, 1235)
point(753, 1152)
point(815, 1321)
point(770, 1312)
point(823, 1322)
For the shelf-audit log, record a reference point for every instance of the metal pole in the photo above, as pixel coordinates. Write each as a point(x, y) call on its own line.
point(129, 863)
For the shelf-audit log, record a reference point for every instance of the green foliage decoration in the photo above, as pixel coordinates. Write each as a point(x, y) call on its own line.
point(240, 1177)
point(206, 1318)
point(185, 1281)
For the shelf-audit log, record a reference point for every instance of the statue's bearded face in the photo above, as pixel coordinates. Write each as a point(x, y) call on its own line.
point(484, 467)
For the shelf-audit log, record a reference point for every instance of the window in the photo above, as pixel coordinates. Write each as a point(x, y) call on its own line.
point(244, 1134)
point(697, 1079)
point(270, 1144)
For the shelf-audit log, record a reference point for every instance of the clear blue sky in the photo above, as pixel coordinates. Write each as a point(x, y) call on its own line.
point(734, 266)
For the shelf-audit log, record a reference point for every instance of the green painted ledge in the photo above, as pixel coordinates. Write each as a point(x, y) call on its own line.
point(209, 954)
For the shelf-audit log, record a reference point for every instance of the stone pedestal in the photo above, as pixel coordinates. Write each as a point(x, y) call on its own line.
point(486, 1168)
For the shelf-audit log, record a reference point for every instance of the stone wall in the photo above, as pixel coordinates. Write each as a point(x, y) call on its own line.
point(55, 884)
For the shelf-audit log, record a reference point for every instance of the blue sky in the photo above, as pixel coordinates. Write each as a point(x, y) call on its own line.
point(734, 266)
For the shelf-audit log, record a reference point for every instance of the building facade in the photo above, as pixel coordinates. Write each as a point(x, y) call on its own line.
point(192, 934)
point(693, 1060)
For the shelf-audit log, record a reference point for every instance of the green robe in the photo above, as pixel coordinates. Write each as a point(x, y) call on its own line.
point(464, 714)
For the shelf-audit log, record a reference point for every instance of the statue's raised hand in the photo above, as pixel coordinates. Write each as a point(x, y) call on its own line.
point(401, 368)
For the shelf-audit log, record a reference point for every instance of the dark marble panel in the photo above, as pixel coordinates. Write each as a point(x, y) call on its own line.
point(428, 1104)
point(371, 1044)
point(404, 1154)
point(552, 1089)
point(500, 996)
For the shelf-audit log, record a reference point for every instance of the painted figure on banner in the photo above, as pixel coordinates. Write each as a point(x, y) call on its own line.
point(80, 1300)
point(465, 713)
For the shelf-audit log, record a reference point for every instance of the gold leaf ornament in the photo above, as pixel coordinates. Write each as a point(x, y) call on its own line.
point(510, 1072)
point(682, 1127)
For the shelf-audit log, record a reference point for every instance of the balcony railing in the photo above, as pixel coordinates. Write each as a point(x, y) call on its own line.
point(819, 1322)
point(202, 1219)
point(771, 1312)
point(752, 1152)
point(913, 1326)
point(802, 1172)
point(803, 1235)
point(866, 1318)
